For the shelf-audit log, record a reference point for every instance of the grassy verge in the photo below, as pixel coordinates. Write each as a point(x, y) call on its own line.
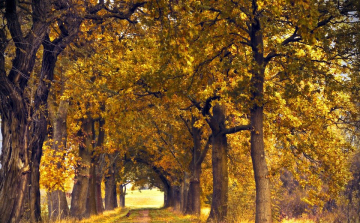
point(167, 215)
point(117, 215)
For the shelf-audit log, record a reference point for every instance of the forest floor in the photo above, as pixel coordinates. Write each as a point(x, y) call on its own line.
point(146, 206)
point(158, 215)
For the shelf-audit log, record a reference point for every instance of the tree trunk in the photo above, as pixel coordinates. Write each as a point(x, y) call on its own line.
point(122, 195)
point(263, 196)
point(110, 189)
point(218, 210)
point(22, 139)
point(81, 181)
point(168, 197)
point(98, 171)
point(262, 182)
point(176, 198)
point(193, 202)
point(99, 201)
point(91, 199)
point(57, 205)
point(15, 167)
point(184, 193)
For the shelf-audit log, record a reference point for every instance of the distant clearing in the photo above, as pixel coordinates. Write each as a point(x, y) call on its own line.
point(144, 199)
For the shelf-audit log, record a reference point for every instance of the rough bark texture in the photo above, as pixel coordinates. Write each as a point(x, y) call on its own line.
point(57, 205)
point(91, 199)
point(81, 181)
point(263, 196)
point(218, 210)
point(110, 189)
point(21, 147)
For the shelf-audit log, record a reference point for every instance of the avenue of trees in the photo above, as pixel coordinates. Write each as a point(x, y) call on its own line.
point(251, 107)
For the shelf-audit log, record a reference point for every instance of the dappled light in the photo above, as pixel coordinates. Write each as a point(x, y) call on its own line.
point(180, 111)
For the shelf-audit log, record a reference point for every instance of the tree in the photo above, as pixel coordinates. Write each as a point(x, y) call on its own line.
point(23, 105)
point(269, 45)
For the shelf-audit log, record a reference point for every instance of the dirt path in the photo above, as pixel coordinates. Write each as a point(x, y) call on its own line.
point(144, 216)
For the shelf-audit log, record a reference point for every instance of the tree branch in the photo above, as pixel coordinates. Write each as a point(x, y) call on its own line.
point(236, 129)
point(293, 38)
point(204, 152)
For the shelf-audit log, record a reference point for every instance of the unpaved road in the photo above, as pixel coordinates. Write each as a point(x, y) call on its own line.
point(144, 216)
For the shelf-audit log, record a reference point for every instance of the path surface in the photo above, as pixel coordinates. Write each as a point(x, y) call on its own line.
point(144, 216)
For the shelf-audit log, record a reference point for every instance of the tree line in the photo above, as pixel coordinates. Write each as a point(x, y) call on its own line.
point(91, 89)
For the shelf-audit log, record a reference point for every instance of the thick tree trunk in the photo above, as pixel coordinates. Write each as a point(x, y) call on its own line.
point(36, 142)
point(15, 168)
point(168, 197)
point(91, 199)
point(176, 198)
point(218, 210)
point(122, 195)
point(81, 181)
point(184, 193)
point(193, 202)
point(21, 146)
point(99, 201)
point(110, 188)
point(98, 167)
point(57, 205)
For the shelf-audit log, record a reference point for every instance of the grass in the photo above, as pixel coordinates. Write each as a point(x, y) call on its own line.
point(144, 199)
point(167, 215)
point(298, 221)
point(136, 201)
point(116, 215)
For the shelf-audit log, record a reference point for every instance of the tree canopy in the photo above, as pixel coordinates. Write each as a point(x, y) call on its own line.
point(205, 98)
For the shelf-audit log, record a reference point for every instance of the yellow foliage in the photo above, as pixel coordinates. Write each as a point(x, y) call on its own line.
point(57, 167)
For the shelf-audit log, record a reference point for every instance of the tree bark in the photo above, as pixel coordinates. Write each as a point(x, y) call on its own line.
point(99, 201)
point(193, 202)
point(15, 167)
point(91, 199)
point(57, 205)
point(81, 181)
point(110, 188)
point(218, 210)
point(21, 147)
point(262, 182)
point(184, 193)
point(263, 196)
point(99, 166)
